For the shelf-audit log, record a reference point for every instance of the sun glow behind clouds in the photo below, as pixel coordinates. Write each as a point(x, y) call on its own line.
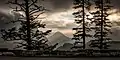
point(115, 15)
point(62, 16)
point(60, 20)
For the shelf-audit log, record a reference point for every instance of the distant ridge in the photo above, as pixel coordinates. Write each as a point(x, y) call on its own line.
point(114, 44)
point(60, 38)
point(65, 47)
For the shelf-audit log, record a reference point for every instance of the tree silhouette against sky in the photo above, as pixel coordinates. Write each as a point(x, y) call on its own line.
point(29, 31)
point(82, 19)
point(102, 24)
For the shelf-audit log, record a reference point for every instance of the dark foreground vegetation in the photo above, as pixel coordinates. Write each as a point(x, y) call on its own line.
point(57, 53)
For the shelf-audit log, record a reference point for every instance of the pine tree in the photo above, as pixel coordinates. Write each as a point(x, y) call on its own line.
point(30, 25)
point(82, 19)
point(102, 24)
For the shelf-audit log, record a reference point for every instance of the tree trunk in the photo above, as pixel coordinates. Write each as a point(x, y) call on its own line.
point(28, 26)
point(83, 25)
point(101, 42)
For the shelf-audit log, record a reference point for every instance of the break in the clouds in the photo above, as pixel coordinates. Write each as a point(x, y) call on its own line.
point(61, 21)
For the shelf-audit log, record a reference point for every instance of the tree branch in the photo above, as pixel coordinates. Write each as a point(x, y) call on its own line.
point(33, 2)
point(37, 16)
point(16, 3)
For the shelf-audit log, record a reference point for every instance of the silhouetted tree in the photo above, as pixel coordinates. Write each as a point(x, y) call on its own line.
point(30, 25)
point(102, 24)
point(82, 19)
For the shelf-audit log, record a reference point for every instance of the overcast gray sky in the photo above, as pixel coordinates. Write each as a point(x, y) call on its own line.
point(60, 16)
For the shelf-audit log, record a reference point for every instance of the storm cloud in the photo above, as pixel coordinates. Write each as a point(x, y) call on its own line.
point(116, 3)
point(60, 4)
point(55, 6)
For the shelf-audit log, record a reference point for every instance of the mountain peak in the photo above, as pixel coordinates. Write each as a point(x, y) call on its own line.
point(60, 38)
point(59, 34)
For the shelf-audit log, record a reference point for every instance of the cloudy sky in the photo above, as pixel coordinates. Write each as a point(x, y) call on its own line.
point(59, 18)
